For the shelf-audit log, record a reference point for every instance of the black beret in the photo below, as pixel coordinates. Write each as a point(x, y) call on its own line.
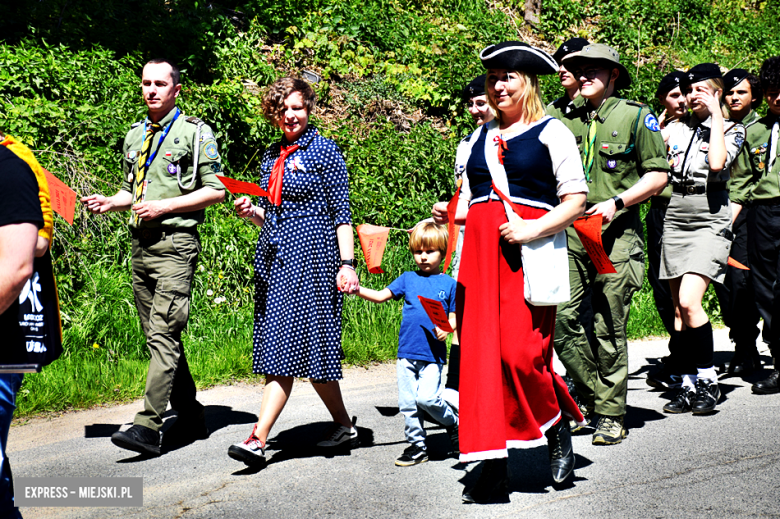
point(475, 88)
point(516, 55)
point(669, 82)
point(701, 72)
point(569, 46)
point(734, 78)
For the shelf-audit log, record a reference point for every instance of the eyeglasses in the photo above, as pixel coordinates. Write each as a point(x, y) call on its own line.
point(477, 104)
point(590, 73)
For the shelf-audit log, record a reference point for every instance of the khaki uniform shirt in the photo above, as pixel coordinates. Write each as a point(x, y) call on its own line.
point(749, 178)
point(689, 145)
point(628, 145)
point(563, 105)
point(174, 157)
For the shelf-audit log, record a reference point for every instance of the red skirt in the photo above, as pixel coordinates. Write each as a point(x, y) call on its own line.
point(509, 393)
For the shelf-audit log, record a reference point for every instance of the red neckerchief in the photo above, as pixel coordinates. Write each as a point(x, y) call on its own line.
point(275, 182)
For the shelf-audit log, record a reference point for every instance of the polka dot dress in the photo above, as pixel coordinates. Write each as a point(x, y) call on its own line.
point(297, 328)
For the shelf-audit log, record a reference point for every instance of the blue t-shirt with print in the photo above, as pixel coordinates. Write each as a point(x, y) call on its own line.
point(416, 340)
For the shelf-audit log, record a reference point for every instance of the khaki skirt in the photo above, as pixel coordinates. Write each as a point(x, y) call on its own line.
point(697, 236)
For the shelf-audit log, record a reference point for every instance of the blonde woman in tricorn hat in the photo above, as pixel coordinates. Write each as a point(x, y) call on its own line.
point(523, 181)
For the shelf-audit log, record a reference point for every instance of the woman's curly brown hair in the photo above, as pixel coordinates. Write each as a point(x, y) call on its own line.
point(273, 101)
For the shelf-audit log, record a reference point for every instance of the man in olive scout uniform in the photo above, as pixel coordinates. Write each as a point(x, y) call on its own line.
point(742, 93)
point(763, 219)
point(624, 158)
point(169, 166)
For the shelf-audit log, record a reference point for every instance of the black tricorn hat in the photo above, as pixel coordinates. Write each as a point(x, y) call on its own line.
point(516, 55)
point(604, 55)
point(734, 77)
point(475, 88)
point(701, 72)
point(569, 46)
point(669, 82)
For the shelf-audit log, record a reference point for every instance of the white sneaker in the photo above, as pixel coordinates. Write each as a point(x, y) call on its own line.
point(337, 435)
point(251, 451)
point(452, 398)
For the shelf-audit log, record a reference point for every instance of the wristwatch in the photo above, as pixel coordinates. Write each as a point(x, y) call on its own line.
point(619, 204)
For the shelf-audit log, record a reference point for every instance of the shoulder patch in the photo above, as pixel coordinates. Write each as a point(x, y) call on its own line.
point(194, 120)
point(635, 103)
point(651, 123)
point(211, 150)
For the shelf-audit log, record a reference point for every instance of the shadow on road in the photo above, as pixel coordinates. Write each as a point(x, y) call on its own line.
point(529, 472)
point(301, 442)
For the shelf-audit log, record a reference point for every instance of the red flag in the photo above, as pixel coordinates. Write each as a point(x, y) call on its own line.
point(373, 239)
point(238, 187)
point(452, 229)
point(63, 198)
point(588, 228)
point(436, 313)
point(736, 264)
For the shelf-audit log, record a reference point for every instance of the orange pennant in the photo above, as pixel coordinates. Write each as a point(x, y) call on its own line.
point(238, 187)
point(736, 264)
point(63, 198)
point(452, 229)
point(373, 239)
point(436, 313)
point(588, 228)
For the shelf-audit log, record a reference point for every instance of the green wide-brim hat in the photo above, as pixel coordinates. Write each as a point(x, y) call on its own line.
point(603, 55)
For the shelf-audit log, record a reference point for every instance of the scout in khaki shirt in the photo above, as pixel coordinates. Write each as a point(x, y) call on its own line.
point(763, 220)
point(169, 166)
point(625, 162)
point(742, 95)
point(571, 98)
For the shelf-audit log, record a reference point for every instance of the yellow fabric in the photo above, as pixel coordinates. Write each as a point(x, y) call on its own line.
point(24, 153)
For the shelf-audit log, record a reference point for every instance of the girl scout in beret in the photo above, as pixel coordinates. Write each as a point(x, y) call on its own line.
point(697, 231)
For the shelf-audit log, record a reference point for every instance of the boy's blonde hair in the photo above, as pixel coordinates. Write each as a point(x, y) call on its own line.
point(428, 235)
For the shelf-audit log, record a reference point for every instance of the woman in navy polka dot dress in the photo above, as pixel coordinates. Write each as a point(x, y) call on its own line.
point(302, 264)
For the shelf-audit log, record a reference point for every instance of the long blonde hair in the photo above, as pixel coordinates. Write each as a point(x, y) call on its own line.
point(531, 98)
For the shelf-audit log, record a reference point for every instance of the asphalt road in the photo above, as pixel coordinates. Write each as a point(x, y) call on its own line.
point(724, 465)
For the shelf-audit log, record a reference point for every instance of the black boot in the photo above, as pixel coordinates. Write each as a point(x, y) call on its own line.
point(768, 386)
point(561, 452)
point(492, 485)
point(745, 360)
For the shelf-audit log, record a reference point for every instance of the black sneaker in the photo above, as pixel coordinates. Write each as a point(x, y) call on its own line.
point(337, 435)
point(664, 379)
point(138, 439)
point(768, 386)
point(452, 431)
point(707, 396)
point(413, 455)
point(186, 429)
point(682, 401)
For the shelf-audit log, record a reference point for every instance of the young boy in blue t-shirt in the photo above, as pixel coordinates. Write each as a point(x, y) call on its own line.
point(422, 352)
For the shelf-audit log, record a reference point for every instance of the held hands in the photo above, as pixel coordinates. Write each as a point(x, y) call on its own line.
point(606, 209)
point(244, 207)
point(439, 213)
point(347, 281)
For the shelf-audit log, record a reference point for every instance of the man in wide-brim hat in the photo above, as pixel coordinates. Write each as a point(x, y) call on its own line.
point(624, 158)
